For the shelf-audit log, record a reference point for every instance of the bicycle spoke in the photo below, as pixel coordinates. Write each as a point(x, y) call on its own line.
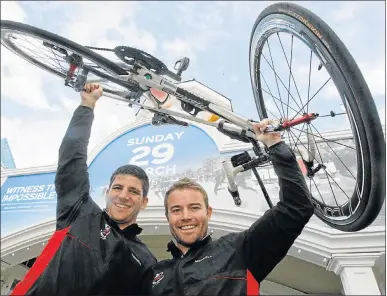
point(274, 116)
point(32, 51)
point(299, 135)
point(335, 153)
point(276, 81)
point(329, 175)
point(326, 173)
point(46, 57)
point(271, 94)
point(295, 145)
point(310, 72)
point(318, 190)
point(290, 69)
point(34, 45)
point(312, 97)
point(325, 139)
point(57, 59)
point(277, 100)
point(310, 185)
point(281, 81)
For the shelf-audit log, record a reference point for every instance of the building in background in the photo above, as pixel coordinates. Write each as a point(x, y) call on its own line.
point(7, 160)
point(321, 261)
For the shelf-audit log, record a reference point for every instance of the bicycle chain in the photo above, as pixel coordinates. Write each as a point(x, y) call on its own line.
point(99, 48)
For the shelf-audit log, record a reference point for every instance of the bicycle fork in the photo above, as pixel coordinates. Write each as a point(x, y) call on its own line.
point(242, 162)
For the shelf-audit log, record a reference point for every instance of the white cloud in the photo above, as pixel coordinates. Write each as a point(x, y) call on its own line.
point(23, 82)
point(11, 10)
point(246, 10)
point(347, 10)
point(382, 114)
point(110, 115)
point(375, 76)
point(177, 49)
point(88, 24)
point(234, 78)
point(192, 15)
point(207, 24)
point(92, 26)
point(69, 105)
point(41, 138)
point(33, 142)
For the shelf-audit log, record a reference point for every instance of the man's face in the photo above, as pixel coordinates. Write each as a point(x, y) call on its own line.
point(125, 199)
point(187, 215)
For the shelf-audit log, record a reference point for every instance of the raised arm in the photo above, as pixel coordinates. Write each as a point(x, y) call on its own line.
point(268, 240)
point(72, 179)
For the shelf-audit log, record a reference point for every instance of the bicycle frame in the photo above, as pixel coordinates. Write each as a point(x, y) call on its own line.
point(238, 126)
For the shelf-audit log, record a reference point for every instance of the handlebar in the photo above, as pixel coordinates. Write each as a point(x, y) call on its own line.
point(230, 172)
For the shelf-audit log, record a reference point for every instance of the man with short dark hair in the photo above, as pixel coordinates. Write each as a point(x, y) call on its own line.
point(237, 263)
point(93, 251)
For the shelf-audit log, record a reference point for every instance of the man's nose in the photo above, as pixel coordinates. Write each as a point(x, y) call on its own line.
point(186, 214)
point(124, 194)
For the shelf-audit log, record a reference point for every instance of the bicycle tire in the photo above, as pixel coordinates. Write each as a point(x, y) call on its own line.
point(101, 61)
point(371, 137)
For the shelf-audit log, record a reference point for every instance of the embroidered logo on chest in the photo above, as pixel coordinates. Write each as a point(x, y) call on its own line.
point(204, 258)
point(157, 279)
point(105, 232)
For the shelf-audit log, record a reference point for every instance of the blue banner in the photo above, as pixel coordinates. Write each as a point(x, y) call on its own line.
point(167, 153)
point(26, 201)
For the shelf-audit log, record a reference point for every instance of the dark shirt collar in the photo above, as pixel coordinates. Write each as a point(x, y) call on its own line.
point(130, 232)
point(177, 253)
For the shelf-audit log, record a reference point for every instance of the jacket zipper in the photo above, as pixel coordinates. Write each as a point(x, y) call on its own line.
point(179, 284)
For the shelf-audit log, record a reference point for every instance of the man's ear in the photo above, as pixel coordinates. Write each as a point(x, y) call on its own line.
point(144, 202)
point(209, 212)
point(167, 216)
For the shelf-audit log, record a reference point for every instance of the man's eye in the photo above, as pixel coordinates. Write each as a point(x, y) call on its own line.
point(175, 210)
point(134, 192)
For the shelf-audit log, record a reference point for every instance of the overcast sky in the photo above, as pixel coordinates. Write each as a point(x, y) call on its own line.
point(37, 107)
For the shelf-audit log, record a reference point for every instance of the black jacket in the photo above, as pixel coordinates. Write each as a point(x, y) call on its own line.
point(88, 254)
point(236, 263)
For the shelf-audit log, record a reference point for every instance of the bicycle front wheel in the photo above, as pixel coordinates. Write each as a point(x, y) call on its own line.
point(348, 186)
point(55, 54)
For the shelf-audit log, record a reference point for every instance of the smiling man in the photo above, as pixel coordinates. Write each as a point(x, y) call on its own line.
point(93, 251)
point(237, 263)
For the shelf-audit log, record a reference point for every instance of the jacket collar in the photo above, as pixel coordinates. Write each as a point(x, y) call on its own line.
point(129, 232)
point(177, 253)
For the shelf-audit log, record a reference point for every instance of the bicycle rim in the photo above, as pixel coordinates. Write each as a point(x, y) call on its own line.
point(27, 42)
point(348, 206)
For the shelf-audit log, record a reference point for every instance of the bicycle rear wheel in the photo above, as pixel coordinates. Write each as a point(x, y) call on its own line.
point(52, 52)
point(363, 147)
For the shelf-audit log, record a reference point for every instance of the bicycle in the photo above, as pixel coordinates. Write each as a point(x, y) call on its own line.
point(139, 75)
